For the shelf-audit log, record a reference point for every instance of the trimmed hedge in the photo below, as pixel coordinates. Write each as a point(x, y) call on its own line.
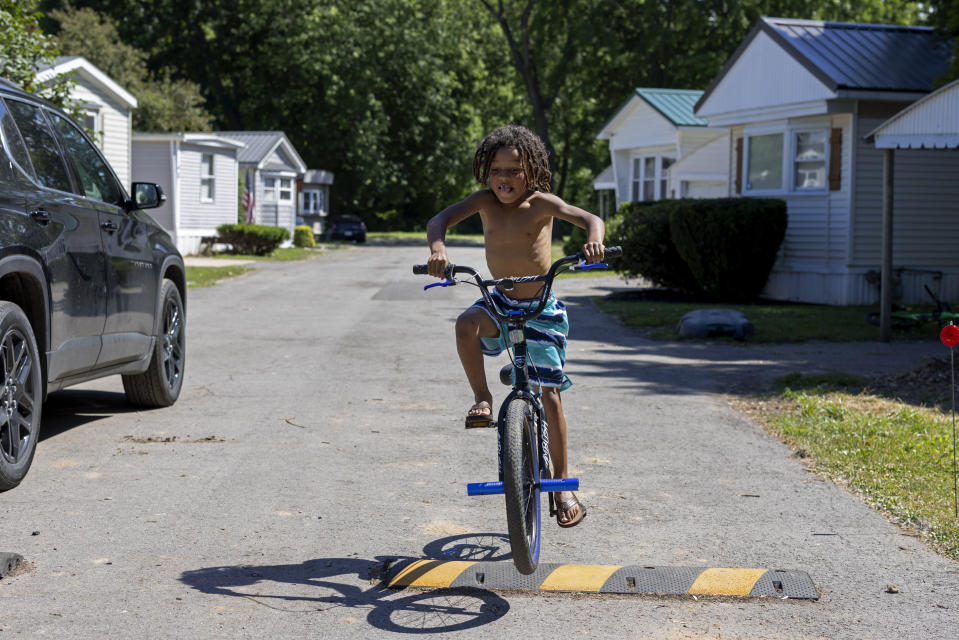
point(723, 248)
point(303, 236)
point(642, 229)
point(729, 244)
point(255, 239)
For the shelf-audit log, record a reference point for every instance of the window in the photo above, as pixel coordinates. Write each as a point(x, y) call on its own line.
point(286, 189)
point(269, 189)
point(207, 179)
point(809, 161)
point(13, 141)
point(95, 178)
point(650, 177)
point(791, 159)
point(764, 163)
point(44, 152)
point(90, 120)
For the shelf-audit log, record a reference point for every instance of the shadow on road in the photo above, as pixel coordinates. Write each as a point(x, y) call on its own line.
point(65, 410)
point(326, 583)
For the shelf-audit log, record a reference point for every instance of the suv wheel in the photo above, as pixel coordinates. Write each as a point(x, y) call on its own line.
point(21, 401)
point(159, 385)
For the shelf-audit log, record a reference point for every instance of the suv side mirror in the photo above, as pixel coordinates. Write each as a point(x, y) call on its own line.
point(147, 195)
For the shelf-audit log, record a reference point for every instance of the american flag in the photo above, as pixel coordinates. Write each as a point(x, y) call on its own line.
point(248, 198)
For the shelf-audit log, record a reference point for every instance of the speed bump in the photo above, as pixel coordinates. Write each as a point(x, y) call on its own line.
point(721, 581)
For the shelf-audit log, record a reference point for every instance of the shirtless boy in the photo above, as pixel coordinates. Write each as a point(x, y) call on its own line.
point(517, 212)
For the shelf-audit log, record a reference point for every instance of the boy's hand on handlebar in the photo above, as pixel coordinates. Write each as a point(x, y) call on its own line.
point(593, 252)
point(436, 265)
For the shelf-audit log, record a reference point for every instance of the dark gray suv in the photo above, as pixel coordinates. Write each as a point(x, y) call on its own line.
point(90, 285)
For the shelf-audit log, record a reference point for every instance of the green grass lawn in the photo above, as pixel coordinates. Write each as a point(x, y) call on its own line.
point(898, 457)
point(208, 276)
point(773, 322)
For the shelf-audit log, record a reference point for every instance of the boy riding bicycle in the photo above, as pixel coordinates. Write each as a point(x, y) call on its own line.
point(517, 211)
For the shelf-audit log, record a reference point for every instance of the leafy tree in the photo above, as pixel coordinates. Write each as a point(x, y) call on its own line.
point(944, 16)
point(24, 49)
point(163, 104)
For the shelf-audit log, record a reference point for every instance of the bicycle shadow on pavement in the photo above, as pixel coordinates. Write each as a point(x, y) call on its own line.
point(322, 584)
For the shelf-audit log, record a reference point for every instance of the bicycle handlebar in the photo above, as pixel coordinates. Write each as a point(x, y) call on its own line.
point(509, 282)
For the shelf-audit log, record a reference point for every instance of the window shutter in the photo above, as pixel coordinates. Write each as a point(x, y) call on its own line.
point(835, 160)
point(739, 165)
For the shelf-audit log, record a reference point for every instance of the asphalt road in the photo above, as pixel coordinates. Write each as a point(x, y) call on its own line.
point(319, 434)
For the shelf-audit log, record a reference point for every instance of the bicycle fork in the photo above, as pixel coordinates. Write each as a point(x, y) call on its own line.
point(521, 386)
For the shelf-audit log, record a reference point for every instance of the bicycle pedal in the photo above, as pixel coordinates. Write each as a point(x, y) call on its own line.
point(480, 424)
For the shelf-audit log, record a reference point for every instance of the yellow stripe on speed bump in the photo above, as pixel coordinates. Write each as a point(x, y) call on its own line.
point(726, 582)
point(430, 573)
point(579, 577)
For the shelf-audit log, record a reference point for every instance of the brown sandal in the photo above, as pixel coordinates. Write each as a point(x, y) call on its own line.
point(479, 420)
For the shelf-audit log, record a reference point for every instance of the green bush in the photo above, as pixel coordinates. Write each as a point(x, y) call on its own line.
point(303, 236)
point(729, 244)
point(255, 239)
point(642, 229)
point(574, 241)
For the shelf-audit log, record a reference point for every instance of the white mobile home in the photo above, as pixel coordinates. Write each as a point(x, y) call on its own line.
point(798, 97)
point(199, 174)
point(107, 110)
point(649, 135)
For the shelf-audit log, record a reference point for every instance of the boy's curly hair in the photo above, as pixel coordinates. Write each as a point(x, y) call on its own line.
point(532, 153)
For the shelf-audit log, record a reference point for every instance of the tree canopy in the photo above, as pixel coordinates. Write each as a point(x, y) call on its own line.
point(394, 95)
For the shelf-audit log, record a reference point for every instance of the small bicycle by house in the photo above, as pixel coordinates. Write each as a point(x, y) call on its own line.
point(524, 470)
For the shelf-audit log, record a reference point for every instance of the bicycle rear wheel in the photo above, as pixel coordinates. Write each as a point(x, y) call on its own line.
point(521, 484)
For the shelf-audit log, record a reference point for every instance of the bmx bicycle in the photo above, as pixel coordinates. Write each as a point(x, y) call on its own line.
point(523, 439)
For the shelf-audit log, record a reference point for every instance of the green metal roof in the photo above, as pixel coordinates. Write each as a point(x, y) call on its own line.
point(676, 105)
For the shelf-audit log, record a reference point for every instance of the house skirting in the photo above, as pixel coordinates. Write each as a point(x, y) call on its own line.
point(860, 286)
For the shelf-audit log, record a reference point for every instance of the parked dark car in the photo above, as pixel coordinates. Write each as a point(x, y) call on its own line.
point(347, 227)
point(90, 285)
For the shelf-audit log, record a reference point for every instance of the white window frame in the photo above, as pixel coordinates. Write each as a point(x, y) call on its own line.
point(269, 189)
point(207, 177)
point(793, 135)
point(285, 189)
point(790, 133)
point(97, 136)
point(313, 202)
point(659, 179)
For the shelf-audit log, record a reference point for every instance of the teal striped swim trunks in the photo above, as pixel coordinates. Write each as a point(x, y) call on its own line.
point(545, 339)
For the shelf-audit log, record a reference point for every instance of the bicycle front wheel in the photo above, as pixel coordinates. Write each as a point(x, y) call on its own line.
point(521, 484)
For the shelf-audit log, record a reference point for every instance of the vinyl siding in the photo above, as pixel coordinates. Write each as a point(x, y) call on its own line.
point(925, 208)
point(644, 127)
point(196, 214)
point(764, 77)
point(115, 123)
point(151, 163)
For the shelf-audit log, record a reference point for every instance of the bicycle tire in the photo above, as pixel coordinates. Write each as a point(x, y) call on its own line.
point(898, 321)
point(521, 484)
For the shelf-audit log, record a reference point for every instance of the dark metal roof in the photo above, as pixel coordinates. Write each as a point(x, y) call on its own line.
point(848, 55)
point(864, 56)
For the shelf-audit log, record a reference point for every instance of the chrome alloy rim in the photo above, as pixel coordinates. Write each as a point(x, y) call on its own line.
point(172, 343)
point(18, 397)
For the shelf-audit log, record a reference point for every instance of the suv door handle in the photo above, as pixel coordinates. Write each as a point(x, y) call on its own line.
point(40, 216)
point(110, 225)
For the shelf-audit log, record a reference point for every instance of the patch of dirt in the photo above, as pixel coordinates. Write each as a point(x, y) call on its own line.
point(928, 385)
point(169, 439)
